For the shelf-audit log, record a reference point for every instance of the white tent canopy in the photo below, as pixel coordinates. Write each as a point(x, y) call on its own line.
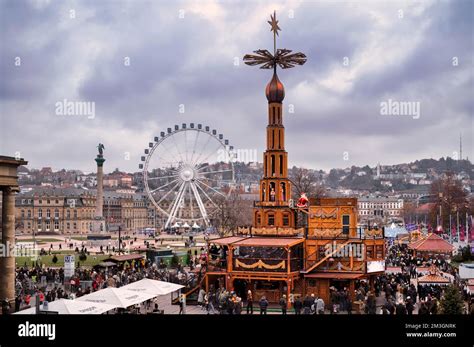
point(152, 287)
point(64, 306)
point(117, 297)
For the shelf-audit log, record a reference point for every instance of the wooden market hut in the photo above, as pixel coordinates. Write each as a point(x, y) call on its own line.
point(431, 243)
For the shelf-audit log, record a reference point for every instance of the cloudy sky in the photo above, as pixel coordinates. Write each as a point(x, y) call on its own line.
point(138, 61)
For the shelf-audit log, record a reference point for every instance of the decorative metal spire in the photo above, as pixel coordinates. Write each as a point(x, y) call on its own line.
point(281, 57)
point(275, 28)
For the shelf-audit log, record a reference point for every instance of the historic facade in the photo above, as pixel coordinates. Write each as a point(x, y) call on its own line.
point(379, 208)
point(72, 211)
point(55, 210)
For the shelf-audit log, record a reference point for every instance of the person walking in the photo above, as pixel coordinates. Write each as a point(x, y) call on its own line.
point(409, 305)
point(249, 302)
point(238, 305)
point(201, 295)
point(298, 305)
point(307, 302)
point(263, 303)
point(320, 306)
point(283, 304)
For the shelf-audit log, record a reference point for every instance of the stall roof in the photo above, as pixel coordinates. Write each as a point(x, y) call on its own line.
point(269, 241)
point(335, 275)
point(224, 241)
point(125, 257)
point(393, 269)
point(433, 278)
point(431, 243)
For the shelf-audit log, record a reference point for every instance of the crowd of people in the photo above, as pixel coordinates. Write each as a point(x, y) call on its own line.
point(391, 293)
point(47, 284)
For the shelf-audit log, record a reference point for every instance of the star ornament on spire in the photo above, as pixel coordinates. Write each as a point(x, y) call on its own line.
point(274, 24)
point(284, 58)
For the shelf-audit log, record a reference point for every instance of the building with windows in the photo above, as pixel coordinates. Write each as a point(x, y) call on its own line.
point(379, 208)
point(55, 210)
point(72, 210)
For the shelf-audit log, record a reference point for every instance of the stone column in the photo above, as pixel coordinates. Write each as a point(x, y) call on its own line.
point(99, 222)
point(100, 187)
point(7, 260)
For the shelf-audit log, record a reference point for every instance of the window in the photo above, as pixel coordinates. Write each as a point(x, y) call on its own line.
point(48, 225)
point(29, 213)
point(370, 252)
point(68, 225)
point(56, 225)
point(379, 251)
point(273, 164)
point(345, 224)
point(48, 201)
point(75, 226)
point(286, 220)
point(68, 214)
point(259, 219)
point(22, 213)
point(40, 213)
point(271, 219)
point(281, 164)
point(56, 213)
point(48, 213)
point(75, 215)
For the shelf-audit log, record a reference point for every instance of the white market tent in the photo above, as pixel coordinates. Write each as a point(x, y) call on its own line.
point(110, 298)
point(152, 287)
point(117, 297)
point(64, 306)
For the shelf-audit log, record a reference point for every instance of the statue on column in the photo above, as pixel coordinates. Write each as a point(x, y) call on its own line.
point(101, 148)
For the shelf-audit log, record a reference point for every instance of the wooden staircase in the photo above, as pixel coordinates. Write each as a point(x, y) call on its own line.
point(315, 265)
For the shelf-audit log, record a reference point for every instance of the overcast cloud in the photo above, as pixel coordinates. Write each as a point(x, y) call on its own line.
point(399, 50)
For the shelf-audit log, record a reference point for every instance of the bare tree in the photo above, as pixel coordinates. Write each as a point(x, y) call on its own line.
point(452, 199)
point(305, 181)
point(233, 212)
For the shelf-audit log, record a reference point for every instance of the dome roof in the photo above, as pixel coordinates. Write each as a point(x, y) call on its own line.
point(275, 91)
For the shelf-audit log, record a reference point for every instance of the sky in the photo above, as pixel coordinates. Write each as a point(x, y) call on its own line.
point(141, 63)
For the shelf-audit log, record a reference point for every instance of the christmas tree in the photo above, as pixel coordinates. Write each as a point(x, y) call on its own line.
point(452, 302)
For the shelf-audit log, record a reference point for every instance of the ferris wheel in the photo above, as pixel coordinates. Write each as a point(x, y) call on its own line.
point(187, 172)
